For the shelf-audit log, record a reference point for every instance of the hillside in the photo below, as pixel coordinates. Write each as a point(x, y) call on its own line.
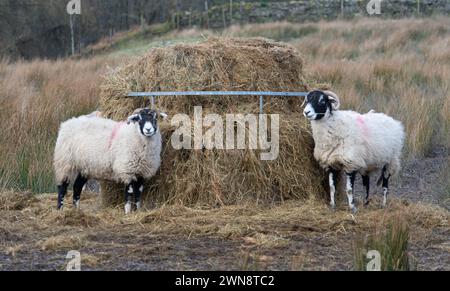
point(401, 67)
point(42, 29)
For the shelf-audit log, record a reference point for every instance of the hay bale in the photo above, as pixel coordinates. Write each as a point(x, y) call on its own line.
point(219, 176)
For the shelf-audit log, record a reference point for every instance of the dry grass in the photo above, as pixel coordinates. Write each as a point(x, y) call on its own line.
point(218, 177)
point(13, 250)
point(16, 201)
point(396, 66)
point(71, 242)
point(34, 98)
point(392, 244)
point(400, 67)
point(262, 231)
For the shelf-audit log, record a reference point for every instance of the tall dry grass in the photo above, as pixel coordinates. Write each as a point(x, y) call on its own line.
point(391, 242)
point(401, 67)
point(34, 98)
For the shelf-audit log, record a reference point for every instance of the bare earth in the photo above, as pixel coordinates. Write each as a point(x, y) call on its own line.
point(292, 236)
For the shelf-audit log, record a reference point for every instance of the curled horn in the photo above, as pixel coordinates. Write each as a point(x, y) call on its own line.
point(334, 99)
point(304, 100)
point(133, 116)
point(163, 115)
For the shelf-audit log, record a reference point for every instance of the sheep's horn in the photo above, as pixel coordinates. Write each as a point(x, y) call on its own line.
point(304, 101)
point(163, 115)
point(334, 98)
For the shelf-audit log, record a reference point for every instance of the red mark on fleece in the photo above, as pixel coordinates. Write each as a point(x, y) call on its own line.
point(362, 125)
point(114, 133)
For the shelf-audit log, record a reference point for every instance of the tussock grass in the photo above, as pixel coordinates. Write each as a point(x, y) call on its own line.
point(34, 98)
point(391, 241)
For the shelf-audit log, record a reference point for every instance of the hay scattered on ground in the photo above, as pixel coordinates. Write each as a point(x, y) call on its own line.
point(62, 242)
point(16, 201)
point(220, 177)
point(310, 217)
point(259, 230)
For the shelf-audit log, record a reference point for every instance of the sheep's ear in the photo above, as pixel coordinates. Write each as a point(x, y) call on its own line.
point(334, 99)
point(133, 118)
point(163, 115)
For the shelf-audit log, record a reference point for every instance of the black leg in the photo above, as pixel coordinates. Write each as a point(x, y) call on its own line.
point(137, 190)
point(77, 188)
point(385, 178)
point(128, 192)
point(62, 190)
point(366, 183)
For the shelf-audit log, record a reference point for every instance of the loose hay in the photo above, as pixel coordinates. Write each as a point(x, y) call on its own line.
point(220, 177)
point(258, 230)
point(16, 201)
point(72, 242)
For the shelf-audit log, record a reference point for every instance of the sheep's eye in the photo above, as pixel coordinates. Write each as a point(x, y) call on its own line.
point(322, 102)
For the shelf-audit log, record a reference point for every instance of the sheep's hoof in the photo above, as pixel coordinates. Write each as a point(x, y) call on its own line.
point(127, 208)
point(353, 210)
point(138, 206)
point(333, 207)
point(76, 204)
point(60, 208)
point(366, 203)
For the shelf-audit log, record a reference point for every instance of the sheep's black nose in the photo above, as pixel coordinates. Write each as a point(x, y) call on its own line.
point(307, 112)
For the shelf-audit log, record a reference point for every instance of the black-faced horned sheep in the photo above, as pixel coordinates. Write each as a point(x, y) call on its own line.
point(91, 147)
point(354, 143)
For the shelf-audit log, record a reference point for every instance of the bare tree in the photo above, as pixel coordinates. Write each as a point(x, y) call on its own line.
point(207, 14)
point(72, 32)
point(231, 12)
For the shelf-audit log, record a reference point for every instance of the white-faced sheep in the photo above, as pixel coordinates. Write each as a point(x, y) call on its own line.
point(90, 147)
point(354, 143)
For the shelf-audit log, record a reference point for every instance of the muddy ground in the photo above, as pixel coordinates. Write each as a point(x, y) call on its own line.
point(297, 235)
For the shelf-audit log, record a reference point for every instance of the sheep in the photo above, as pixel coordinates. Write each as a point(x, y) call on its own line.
point(354, 143)
point(91, 147)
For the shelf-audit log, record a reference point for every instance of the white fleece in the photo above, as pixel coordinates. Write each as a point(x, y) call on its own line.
point(103, 149)
point(353, 142)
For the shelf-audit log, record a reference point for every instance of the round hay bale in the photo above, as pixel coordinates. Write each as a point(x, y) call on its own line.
point(216, 177)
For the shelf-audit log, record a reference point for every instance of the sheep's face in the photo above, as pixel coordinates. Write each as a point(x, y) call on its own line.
point(318, 105)
point(147, 122)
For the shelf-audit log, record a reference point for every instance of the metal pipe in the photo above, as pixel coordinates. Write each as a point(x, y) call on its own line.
point(261, 104)
point(217, 93)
